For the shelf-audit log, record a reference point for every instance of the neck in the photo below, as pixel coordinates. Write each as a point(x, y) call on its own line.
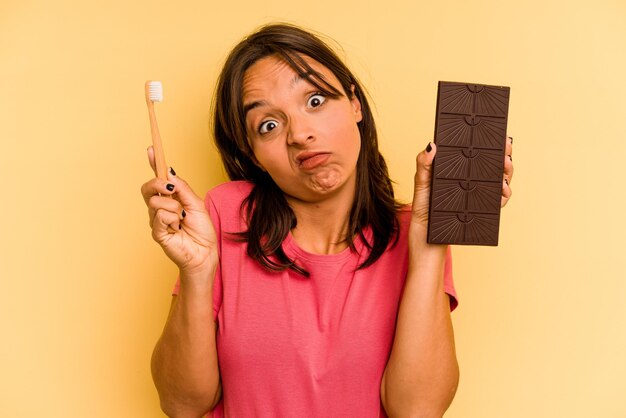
point(322, 226)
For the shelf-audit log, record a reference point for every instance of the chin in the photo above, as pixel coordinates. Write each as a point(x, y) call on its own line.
point(326, 181)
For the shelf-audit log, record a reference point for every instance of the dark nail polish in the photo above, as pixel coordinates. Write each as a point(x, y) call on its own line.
point(506, 181)
point(172, 171)
point(511, 138)
point(511, 158)
point(169, 187)
point(429, 147)
point(184, 213)
point(180, 226)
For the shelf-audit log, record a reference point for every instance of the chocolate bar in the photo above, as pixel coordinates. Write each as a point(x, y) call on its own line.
point(466, 186)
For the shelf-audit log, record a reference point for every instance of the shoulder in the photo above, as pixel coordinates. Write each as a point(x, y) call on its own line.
point(403, 214)
point(224, 204)
point(231, 189)
point(228, 196)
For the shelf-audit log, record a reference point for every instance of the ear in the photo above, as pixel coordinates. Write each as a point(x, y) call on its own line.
point(356, 105)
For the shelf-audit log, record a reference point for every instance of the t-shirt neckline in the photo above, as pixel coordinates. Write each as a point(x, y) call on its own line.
point(292, 249)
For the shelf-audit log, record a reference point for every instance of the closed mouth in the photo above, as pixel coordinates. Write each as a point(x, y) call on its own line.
point(309, 160)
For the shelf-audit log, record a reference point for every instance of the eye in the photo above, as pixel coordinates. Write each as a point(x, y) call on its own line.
point(267, 126)
point(316, 100)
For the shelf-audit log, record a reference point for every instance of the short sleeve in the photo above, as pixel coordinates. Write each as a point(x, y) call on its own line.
point(448, 281)
point(217, 283)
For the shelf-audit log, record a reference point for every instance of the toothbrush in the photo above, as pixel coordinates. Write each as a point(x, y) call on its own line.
point(154, 93)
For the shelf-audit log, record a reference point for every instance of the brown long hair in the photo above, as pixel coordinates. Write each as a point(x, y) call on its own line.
point(269, 216)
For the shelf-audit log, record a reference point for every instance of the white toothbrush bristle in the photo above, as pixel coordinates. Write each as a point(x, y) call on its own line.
point(156, 91)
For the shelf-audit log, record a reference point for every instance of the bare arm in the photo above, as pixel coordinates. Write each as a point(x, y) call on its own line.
point(184, 363)
point(422, 373)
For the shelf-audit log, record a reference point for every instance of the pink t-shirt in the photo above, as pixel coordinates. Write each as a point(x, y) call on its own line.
point(290, 346)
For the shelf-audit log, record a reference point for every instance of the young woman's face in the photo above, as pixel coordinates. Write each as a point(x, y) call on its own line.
point(307, 142)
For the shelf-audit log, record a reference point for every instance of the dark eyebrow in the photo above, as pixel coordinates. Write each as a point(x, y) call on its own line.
point(246, 108)
point(250, 106)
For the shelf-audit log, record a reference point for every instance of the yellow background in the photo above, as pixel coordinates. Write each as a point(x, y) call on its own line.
point(541, 329)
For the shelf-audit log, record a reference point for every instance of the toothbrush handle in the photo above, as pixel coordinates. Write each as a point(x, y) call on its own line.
point(159, 156)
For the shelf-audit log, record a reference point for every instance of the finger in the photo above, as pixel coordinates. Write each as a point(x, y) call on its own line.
point(424, 162)
point(508, 169)
point(151, 159)
point(507, 192)
point(508, 159)
point(165, 223)
point(156, 203)
point(509, 145)
point(155, 187)
point(184, 194)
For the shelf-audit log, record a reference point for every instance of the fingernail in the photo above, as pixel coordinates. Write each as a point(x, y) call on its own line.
point(184, 213)
point(180, 226)
point(172, 171)
point(511, 138)
point(429, 147)
point(506, 181)
point(511, 158)
point(169, 187)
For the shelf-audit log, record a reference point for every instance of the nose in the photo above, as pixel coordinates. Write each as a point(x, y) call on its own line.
point(300, 130)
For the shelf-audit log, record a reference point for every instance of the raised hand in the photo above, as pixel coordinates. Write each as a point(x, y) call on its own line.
point(180, 222)
point(423, 176)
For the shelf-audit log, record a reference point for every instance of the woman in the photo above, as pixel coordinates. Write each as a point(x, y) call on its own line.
point(305, 290)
